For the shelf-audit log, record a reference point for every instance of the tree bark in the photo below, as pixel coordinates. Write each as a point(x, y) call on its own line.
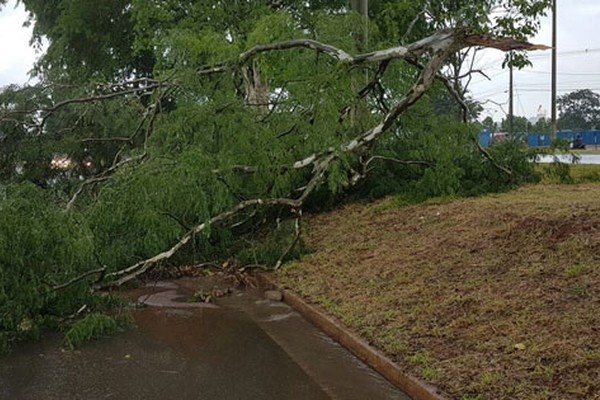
point(256, 89)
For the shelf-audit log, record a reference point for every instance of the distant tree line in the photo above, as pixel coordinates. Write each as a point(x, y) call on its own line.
point(578, 111)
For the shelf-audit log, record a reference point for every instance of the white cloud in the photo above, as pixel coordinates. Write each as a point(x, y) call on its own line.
point(17, 56)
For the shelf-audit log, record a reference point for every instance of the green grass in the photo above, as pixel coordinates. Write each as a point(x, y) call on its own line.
point(569, 173)
point(448, 289)
point(95, 326)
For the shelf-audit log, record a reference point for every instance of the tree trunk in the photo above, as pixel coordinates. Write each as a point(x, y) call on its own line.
point(257, 90)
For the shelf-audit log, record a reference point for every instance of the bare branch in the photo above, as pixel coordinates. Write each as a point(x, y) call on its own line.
point(212, 71)
point(127, 274)
point(49, 111)
point(294, 242)
point(103, 177)
point(398, 161)
point(99, 271)
point(106, 139)
point(474, 71)
point(504, 44)
point(413, 23)
point(431, 43)
point(360, 175)
point(489, 157)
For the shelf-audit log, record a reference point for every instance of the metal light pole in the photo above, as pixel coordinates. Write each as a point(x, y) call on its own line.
point(510, 90)
point(553, 70)
point(510, 98)
point(361, 6)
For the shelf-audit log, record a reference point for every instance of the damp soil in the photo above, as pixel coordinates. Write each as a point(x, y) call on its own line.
point(240, 347)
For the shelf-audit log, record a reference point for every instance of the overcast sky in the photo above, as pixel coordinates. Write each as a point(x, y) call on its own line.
point(16, 57)
point(578, 64)
point(578, 60)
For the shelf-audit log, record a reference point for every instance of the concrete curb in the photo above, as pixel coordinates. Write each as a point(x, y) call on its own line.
point(412, 386)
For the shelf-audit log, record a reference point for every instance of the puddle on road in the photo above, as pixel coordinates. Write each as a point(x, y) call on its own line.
point(244, 348)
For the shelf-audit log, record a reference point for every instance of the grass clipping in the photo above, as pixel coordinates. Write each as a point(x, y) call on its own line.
point(487, 298)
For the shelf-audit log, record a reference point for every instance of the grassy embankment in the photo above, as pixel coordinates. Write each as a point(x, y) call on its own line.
point(589, 150)
point(487, 298)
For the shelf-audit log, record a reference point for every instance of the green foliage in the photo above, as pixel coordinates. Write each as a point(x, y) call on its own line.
point(80, 133)
point(145, 210)
point(579, 110)
point(454, 166)
point(95, 326)
point(23, 155)
point(514, 155)
point(88, 39)
point(558, 172)
point(40, 245)
point(519, 125)
point(267, 246)
point(116, 39)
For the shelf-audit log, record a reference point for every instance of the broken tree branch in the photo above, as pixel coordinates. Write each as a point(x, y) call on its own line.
point(81, 277)
point(125, 275)
point(360, 175)
point(440, 46)
point(430, 44)
point(297, 232)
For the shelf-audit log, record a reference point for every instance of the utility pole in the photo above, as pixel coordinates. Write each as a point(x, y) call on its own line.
point(361, 7)
point(554, 135)
point(510, 97)
point(510, 90)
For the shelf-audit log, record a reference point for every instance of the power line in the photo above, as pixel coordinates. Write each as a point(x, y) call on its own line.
point(561, 73)
point(568, 53)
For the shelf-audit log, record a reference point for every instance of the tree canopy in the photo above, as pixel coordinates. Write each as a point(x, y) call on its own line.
point(579, 110)
point(115, 40)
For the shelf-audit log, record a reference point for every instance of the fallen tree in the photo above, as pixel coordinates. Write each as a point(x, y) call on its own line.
point(439, 48)
point(224, 141)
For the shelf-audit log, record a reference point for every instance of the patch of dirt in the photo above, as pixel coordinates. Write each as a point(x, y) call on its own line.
point(489, 298)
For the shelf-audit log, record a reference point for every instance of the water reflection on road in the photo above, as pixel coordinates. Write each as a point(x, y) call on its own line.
point(247, 348)
point(584, 159)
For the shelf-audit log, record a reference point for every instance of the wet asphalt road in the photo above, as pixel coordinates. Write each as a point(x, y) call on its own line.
point(249, 348)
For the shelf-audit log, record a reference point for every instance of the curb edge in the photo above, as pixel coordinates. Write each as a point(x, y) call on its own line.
point(413, 387)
